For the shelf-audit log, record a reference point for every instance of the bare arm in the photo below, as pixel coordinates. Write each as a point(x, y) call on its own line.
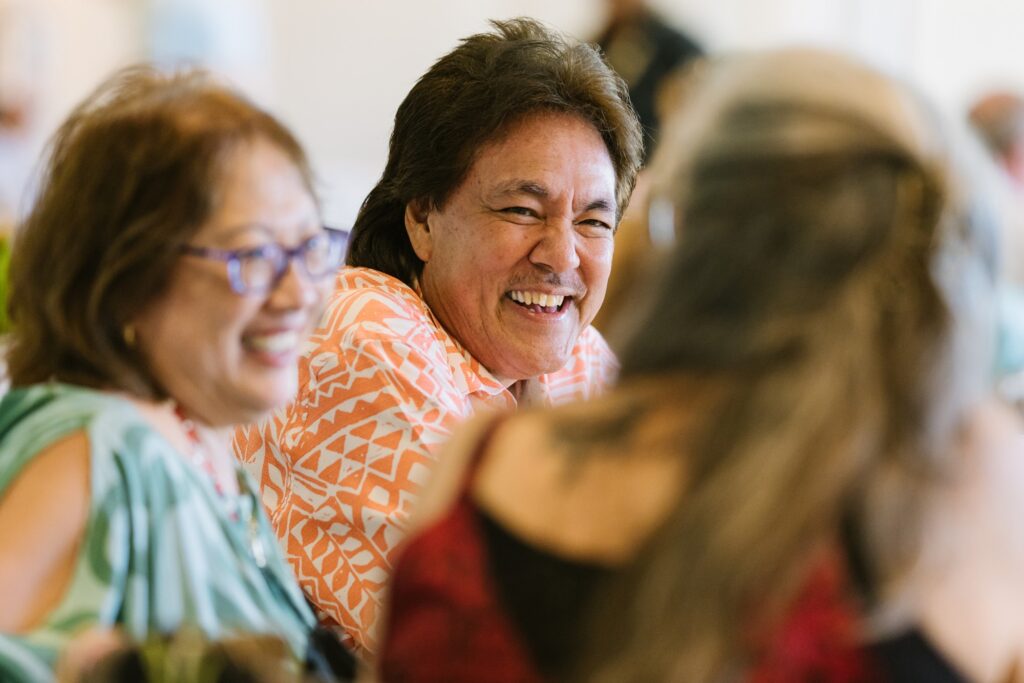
point(42, 522)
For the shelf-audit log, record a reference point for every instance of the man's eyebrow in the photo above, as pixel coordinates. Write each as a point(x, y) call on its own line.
point(513, 187)
point(600, 205)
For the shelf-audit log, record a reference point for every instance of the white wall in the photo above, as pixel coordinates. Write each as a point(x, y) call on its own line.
point(964, 48)
point(343, 67)
point(335, 70)
point(63, 48)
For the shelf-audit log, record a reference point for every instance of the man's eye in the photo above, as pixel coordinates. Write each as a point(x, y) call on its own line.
point(520, 211)
point(597, 223)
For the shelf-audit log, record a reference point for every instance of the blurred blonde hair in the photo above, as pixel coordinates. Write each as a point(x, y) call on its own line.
point(824, 253)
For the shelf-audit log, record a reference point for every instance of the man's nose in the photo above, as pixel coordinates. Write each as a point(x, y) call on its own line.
point(557, 248)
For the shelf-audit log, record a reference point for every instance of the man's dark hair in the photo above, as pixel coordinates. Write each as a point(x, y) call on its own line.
point(469, 98)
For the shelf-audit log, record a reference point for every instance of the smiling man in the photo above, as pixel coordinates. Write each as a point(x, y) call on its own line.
point(476, 266)
point(516, 260)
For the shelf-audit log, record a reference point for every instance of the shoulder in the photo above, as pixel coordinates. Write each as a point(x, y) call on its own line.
point(33, 418)
point(365, 295)
point(44, 512)
point(375, 320)
point(368, 305)
point(454, 462)
point(589, 501)
point(59, 471)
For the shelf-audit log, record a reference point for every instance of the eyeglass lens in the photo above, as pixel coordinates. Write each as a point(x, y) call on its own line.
point(261, 268)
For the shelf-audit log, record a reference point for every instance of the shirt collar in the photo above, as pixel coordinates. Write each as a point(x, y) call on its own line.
point(470, 375)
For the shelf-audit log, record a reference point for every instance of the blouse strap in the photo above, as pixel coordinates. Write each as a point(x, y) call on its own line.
point(483, 443)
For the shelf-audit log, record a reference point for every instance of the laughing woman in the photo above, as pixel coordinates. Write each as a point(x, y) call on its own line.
point(161, 289)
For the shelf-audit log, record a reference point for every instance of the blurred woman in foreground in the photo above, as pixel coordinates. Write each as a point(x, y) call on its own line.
point(161, 288)
point(803, 431)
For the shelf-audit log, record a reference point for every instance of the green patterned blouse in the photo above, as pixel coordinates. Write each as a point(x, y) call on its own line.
point(162, 550)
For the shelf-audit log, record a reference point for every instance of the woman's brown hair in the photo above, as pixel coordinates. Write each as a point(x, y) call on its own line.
point(820, 244)
point(130, 177)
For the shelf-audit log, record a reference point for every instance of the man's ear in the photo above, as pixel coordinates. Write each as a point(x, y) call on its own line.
point(418, 228)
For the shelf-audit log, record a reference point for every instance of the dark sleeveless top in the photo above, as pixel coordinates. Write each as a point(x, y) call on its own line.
point(471, 602)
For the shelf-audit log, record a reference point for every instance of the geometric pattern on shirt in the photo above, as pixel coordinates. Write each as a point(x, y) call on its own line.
point(381, 386)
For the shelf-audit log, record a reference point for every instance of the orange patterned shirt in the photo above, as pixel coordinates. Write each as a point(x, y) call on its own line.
point(381, 386)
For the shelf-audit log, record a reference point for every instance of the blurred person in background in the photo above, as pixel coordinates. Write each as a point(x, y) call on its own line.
point(646, 50)
point(476, 265)
point(998, 119)
point(657, 61)
point(161, 287)
point(23, 46)
point(635, 243)
point(802, 474)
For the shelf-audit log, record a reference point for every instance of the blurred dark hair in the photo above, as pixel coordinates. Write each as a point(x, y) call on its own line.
point(468, 99)
point(130, 176)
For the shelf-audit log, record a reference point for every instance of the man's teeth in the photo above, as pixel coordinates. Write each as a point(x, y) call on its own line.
point(530, 298)
point(273, 343)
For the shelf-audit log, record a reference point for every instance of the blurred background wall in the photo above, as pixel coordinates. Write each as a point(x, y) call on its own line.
point(335, 70)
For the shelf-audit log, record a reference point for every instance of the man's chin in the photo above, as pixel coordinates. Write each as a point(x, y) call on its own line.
point(531, 368)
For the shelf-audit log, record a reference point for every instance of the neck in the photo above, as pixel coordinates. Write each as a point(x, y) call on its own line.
point(528, 393)
point(967, 587)
point(208, 448)
point(972, 617)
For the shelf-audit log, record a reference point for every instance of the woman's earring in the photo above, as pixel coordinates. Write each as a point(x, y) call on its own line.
point(128, 334)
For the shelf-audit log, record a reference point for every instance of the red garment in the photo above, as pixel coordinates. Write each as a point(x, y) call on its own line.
point(818, 641)
point(446, 623)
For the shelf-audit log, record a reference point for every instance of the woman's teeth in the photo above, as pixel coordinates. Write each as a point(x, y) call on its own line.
point(280, 342)
point(553, 301)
